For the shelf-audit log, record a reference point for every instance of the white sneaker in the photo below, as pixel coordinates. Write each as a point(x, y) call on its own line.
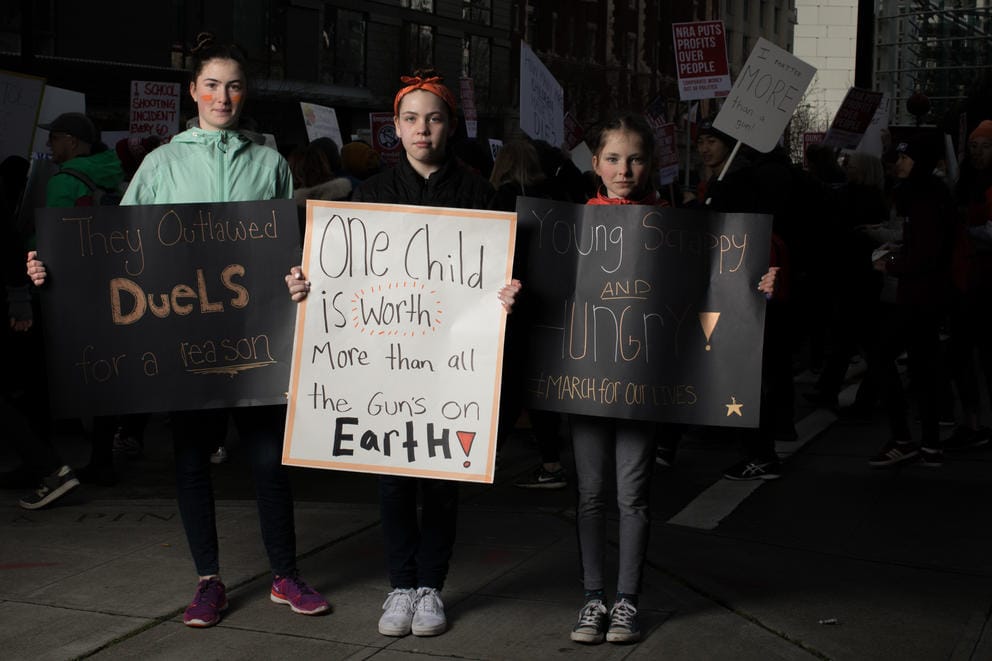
point(398, 615)
point(428, 613)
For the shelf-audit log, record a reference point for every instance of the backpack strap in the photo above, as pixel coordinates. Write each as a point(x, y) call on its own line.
point(86, 179)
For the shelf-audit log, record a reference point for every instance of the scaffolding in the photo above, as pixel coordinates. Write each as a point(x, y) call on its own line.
point(937, 48)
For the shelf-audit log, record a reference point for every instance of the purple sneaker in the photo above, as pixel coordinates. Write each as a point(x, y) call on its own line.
point(210, 599)
point(301, 597)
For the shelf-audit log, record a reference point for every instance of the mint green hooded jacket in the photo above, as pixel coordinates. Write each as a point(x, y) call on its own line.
point(210, 166)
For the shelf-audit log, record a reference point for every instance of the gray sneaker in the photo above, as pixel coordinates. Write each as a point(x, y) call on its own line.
point(52, 488)
point(625, 626)
point(428, 613)
point(591, 627)
point(398, 615)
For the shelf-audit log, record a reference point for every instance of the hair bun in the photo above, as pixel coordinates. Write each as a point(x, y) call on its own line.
point(426, 72)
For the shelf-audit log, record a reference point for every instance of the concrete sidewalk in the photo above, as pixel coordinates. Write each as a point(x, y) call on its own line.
point(833, 561)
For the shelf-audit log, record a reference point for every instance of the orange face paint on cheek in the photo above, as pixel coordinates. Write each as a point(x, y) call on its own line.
point(235, 98)
point(207, 98)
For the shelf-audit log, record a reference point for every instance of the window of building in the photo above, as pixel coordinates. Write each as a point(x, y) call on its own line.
point(590, 46)
point(477, 11)
point(343, 53)
point(477, 64)
point(778, 20)
point(745, 47)
point(746, 9)
point(420, 45)
point(569, 35)
point(419, 5)
point(729, 7)
point(630, 50)
point(554, 32)
point(762, 13)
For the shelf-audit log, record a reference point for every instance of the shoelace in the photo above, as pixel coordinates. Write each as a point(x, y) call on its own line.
point(427, 600)
point(300, 585)
point(201, 590)
point(398, 599)
point(591, 614)
point(623, 614)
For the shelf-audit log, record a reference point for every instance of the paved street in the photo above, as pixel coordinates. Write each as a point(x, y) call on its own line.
point(833, 561)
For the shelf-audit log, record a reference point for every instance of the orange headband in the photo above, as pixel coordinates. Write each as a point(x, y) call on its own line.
point(432, 85)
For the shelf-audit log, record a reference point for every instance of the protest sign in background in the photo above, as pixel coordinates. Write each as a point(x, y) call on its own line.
point(644, 313)
point(321, 122)
point(154, 109)
point(20, 98)
point(853, 118)
point(167, 307)
point(764, 96)
point(542, 100)
point(384, 139)
point(701, 60)
point(398, 350)
point(466, 89)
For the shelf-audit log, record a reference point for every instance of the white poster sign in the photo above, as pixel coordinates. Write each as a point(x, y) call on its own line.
point(764, 96)
point(542, 100)
point(54, 102)
point(20, 97)
point(871, 141)
point(398, 348)
point(154, 109)
point(321, 122)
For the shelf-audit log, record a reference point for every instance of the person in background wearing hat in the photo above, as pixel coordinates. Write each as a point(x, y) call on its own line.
point(921, 265)
point(76, 147)
point(768, 184)
point(971, 275)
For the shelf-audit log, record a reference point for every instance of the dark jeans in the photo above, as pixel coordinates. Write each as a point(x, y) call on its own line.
point(195, 435)
point(418, 553)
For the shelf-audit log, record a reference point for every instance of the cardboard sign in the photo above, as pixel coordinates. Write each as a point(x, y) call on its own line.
point(167, 307)
point(668, 153)
point(466, 88)
point(701, 60)
point(764, 96)
point(384, 139)
point(811, 138)
point(853, 118)
point(154, 109)
point(644, 313)
point(20, 97)
point(871, 141)
point(398, 351)
point(574, 133)
point(542, 100)
point(321, 122)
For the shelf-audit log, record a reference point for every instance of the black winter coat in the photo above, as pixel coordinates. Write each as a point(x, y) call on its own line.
point(451, 186)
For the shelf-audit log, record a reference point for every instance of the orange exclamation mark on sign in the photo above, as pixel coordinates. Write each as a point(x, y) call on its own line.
point(708, 321)
point(465, 438)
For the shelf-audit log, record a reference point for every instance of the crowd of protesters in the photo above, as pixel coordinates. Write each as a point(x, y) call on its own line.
point(883, 257)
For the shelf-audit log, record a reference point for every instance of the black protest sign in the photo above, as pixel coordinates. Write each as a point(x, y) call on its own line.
point(644, 313)
point(167, 307)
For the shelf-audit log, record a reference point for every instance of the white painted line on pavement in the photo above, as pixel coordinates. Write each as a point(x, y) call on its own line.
point(709, 508)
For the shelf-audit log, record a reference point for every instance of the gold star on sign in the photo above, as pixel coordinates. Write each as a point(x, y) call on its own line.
point(734, 408)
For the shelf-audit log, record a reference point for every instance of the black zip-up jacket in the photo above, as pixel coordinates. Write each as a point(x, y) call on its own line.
point(451, 186)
